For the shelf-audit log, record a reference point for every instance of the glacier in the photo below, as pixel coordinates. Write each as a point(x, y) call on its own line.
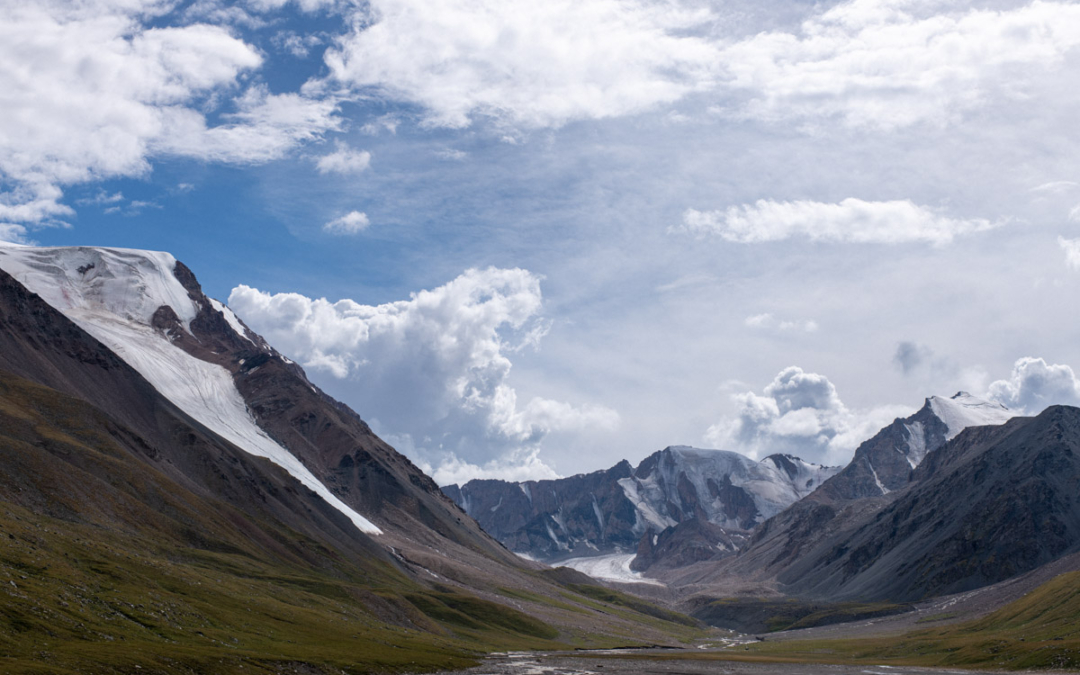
point(112, 294)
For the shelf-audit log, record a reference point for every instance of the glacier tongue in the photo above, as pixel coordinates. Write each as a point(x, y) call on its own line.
point(112, 294)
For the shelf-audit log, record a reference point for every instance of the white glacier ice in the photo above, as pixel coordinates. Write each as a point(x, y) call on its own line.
point(113, 294)
point(232, 320)
point(964, 410)
point(614, 567)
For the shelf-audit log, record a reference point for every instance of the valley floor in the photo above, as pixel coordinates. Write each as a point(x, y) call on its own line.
point(671, 662)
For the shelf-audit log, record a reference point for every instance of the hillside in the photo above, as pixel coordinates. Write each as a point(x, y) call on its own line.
point(128, 519)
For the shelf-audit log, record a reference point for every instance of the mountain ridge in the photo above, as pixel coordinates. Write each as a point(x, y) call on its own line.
point(621, 508)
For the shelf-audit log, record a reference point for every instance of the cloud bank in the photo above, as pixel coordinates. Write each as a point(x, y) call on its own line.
point(432, 372)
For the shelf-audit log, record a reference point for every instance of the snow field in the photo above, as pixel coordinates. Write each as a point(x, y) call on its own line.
point(114, 301)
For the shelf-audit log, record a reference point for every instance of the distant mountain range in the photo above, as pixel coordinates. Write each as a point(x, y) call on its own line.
point(993, 496)
point(641, 509)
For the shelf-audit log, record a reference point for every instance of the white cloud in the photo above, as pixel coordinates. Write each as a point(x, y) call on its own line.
point(517, 466)
point(263, 127)
point(344, 160)
point(451, 154)
point(431, 371)
point(1072, 251)
point(851, 220)
point(1074, 214)
point(90, 92)
point(13, 233)
point(769, 322)
point(1056, 187)
point(893, 63)
point(353, 222)
point(1034, 385)
point(380, 124)
point(799, 413)
point(870, 63)
point(531, 64)
point(296, 44)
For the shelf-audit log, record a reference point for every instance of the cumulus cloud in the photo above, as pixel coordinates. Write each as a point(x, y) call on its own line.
point(769, 322)
point(1072, 251)
point(431, 371)
point(353, 222)
point(91, 91)
point(893, 63)
point(344, 160)
point(530, 64)
point(799, 413)
point(851, 220)
point(1035, 384)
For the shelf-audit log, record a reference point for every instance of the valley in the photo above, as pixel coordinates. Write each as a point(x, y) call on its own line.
point(177, 497)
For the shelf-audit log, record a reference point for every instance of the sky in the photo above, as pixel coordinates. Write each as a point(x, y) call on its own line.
point(526, 240)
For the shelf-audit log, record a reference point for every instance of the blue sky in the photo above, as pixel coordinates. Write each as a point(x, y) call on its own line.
point(533, 239)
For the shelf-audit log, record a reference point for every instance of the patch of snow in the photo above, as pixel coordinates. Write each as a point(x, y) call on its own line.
point(496, 507)
point(558, 518)
point(916, 443)
point(558, 544)
point(650, 515)
point(126, 284)
point(114, 301)
point(528, 493)
point(884, 490)
point(599, 514)
point(614, 567)
point(964, 410)
point(231, 319)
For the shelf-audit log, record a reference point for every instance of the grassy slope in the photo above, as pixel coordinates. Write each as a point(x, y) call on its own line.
point(1039, 631)
point(106, 565)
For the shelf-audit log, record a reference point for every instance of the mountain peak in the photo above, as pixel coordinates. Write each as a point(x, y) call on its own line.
point(964, 410)
point(102, 283)
point(120, 296)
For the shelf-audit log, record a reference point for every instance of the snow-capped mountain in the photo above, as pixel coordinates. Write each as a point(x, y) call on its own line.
point(890, 463)
point(617, 509)
point(886, 461)
point(123, 298)
point(993, 502)
point(149, 310)
point(147, 434)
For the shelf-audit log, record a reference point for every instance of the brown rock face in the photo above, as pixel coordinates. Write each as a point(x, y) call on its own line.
point(326, 435)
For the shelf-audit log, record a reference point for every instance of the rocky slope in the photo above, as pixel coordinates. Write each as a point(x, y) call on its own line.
point(883, 464)
point(988, 504)
point(991, 504)
point(688, 502)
